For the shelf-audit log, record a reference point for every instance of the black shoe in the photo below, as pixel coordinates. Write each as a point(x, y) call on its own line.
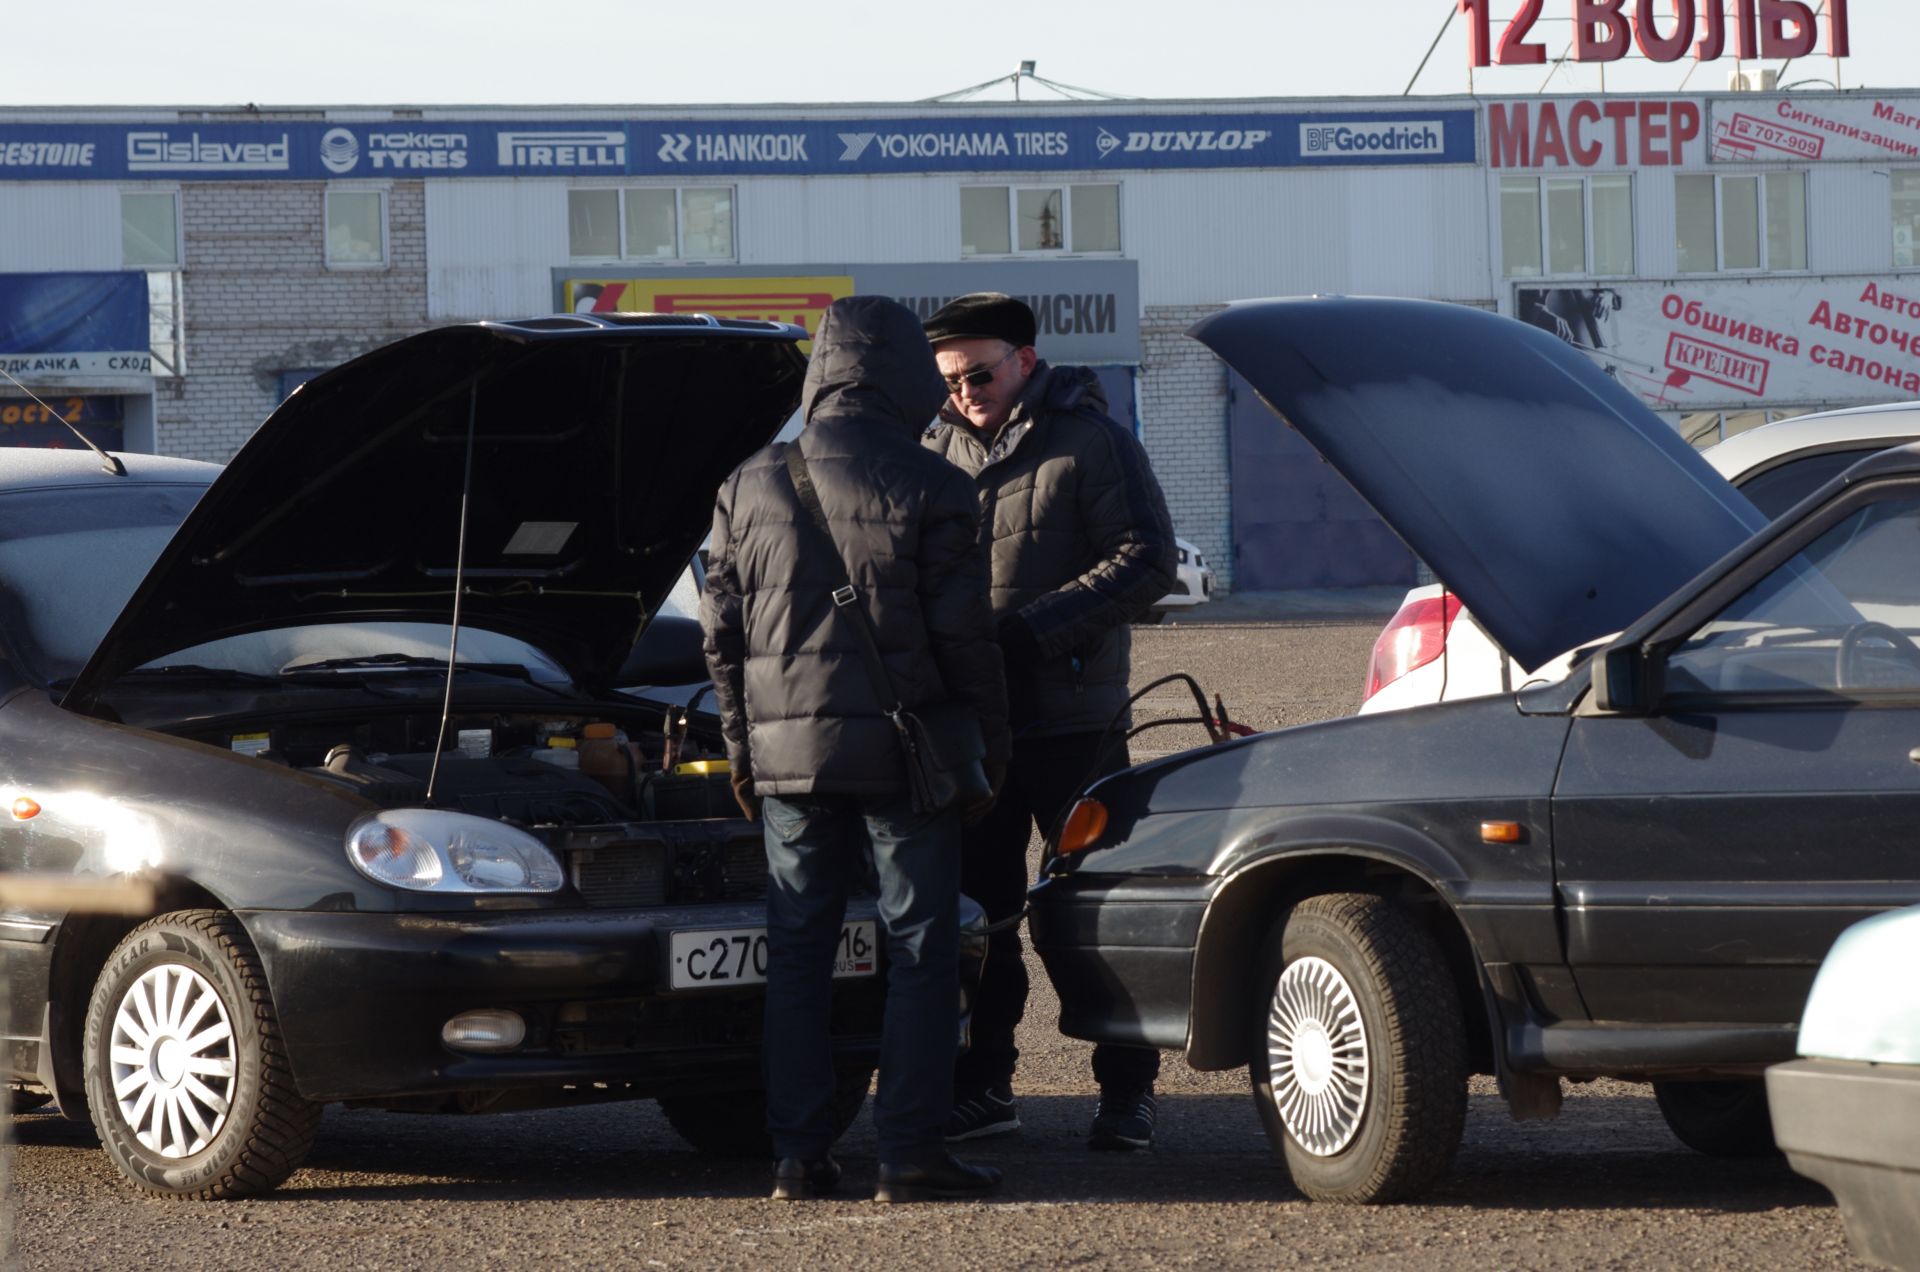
point(796, 1180)
point(1124, 1122)
point(945, 1176)
point(981, 1113)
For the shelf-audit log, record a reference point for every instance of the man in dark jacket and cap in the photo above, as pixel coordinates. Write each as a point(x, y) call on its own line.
point(812, 749)
point(1081, 544)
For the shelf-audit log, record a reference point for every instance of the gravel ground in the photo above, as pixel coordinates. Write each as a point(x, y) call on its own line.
point(1604, 1186)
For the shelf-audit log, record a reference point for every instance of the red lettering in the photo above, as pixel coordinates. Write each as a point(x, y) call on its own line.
point(1514, 51)
point(1837, 42)
point(1774, 40)
point(1507, 136)
point(1713, 40)
point(1653, 127)
point(1588, 14)
point(1745, 43)
point(1585, 153)
point(1477, 32)
point(1621, 113)
point(1663, 48)
point(1686, 126)
point(1548, 140)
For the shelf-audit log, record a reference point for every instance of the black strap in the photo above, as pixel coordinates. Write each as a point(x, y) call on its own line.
point(844, 596)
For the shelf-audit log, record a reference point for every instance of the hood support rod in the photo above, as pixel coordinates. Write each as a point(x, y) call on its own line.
point(459, 589)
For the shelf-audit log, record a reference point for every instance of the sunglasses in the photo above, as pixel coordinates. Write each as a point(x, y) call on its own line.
point(977, 377)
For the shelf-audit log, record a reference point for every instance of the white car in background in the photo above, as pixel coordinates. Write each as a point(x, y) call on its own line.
point(1193, 584)
point(1431, 650)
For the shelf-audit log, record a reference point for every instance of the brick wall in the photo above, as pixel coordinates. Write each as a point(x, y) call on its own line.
point(260, 300)
point(1183, 423)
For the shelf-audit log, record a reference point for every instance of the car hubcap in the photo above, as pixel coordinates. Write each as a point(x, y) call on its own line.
point(1317, 1056)
point(172, 1060)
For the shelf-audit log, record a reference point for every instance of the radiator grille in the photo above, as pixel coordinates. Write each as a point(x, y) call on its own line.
point(640, 873)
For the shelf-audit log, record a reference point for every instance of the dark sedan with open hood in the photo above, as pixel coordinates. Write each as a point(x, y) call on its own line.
point(1633, 873)
point(356, 737)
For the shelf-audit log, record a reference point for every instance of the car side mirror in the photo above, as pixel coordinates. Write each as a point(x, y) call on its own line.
point(1626, 681)
point(669, 652)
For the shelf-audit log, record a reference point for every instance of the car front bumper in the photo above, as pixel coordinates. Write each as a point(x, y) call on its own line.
point(1119, 951)
point(1855, 1128)
point(361, 999)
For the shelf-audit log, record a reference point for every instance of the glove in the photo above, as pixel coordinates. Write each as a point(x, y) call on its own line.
point(979, 808)
point(744, 796)
point(1019, 649)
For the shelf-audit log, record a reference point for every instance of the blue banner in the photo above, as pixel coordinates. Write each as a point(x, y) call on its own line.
point(74, 323)
point(1036, 142)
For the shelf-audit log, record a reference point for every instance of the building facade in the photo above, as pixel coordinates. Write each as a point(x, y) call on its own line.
point(168, 276)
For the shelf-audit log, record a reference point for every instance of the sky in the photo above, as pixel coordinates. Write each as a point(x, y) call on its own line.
point(673, 52)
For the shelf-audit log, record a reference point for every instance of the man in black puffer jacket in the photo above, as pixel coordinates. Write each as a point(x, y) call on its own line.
point(811, 747)
point(1081, 545)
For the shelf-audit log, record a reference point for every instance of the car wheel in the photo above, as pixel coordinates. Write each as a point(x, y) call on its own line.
point(734, 1123)
point(186, 1076)
point(1359, 1058)
point(1726, 1118)
point(17, 1099)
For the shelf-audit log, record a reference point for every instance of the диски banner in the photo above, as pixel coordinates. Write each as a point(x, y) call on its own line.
point(1726, 344)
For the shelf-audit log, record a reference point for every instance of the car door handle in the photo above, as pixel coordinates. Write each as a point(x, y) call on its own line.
point(1914, 755)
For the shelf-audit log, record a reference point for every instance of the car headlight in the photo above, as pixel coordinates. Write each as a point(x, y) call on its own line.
point(1183, 555)
point(426, 850)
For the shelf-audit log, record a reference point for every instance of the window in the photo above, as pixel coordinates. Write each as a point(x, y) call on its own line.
point(1906, 217)
point(1000, 220)
point(1566, 225)
point(1841, 616)
point(651, 223)
point(356, 227)
point(150, 230)
point(1740, 221)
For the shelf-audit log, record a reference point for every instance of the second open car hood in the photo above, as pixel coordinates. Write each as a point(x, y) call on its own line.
point(580, 456)
point(1540, 490)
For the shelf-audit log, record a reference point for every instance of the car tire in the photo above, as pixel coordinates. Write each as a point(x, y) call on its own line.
point(1723, 1118)
point(734, 1123)
point(1359, 1057)
point(186, 1076)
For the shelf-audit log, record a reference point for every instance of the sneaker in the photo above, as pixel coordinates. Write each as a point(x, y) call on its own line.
point(1124, 1121)
point(983, 1113)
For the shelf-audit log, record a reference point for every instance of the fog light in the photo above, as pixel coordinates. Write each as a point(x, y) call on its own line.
point(484, 1031)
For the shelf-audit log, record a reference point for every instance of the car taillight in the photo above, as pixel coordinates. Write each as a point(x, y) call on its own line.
point(1413, 638)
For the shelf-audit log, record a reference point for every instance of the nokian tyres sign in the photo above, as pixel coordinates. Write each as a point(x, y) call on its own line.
point(1037, 141)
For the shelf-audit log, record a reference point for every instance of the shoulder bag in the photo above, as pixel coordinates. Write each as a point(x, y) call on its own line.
point(941, 744)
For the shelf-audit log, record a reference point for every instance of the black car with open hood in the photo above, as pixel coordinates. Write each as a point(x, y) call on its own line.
point(1632, 873)
point(344, 721)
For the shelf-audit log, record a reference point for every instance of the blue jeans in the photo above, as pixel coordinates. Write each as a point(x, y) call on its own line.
point(818, 850)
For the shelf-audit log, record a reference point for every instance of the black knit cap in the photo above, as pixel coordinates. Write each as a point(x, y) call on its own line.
point(983, 316)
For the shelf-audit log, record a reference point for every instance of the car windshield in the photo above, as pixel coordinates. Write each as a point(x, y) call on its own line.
point(71, 556)
point(1841, 615)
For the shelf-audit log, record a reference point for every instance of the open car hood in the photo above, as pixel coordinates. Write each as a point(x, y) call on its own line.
point(581, 453)
point(1554, 503)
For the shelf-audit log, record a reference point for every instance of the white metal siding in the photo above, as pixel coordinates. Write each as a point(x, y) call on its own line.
point(1849, 219)
point(59, 227)
point(1206, 237)
point(852, 220)
point(490, 245)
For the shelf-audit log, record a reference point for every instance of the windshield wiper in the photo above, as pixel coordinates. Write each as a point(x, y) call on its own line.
point(404, 663)
point(194, 671)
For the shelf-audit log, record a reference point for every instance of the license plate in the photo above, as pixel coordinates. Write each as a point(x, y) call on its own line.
point(738, 956)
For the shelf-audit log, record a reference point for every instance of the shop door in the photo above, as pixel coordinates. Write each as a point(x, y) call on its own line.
point(1296, 522)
